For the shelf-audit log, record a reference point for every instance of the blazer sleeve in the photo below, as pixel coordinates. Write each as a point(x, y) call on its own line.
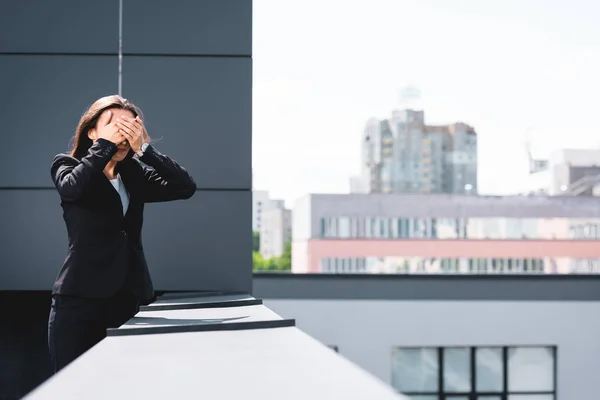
point(71, 176)
point(166, 180)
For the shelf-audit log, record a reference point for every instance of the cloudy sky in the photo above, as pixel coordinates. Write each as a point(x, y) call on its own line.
point(506, 67)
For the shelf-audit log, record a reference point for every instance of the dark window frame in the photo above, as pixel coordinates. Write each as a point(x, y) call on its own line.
point(473, 394)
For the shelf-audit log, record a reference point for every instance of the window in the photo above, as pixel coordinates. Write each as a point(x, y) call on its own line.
point(475, 373)
point(343, 227)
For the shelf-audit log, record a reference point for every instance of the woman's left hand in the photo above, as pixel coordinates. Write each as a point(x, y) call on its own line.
point(133, 130)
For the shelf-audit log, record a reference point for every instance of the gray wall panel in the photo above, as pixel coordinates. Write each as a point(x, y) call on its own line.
point(42, 100)
point(204, 243)
point(195, 27)
point(199, 244)
point(33, 239)
point(59, 26)
point(203, 109)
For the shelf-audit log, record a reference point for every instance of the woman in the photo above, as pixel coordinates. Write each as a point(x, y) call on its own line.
point(103, 188)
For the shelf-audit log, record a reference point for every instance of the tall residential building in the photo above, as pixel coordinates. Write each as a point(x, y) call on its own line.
point(404, 155)
point(275, 231)
point(261, 202)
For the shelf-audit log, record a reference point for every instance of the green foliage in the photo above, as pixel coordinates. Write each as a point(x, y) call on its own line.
point(255, 241)
point(281, 263)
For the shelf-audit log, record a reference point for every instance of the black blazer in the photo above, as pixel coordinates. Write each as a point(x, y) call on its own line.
point(105, 253)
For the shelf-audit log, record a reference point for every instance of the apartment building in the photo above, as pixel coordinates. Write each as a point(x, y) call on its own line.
point(275, 232)
point(261, 202)
point(402, 154)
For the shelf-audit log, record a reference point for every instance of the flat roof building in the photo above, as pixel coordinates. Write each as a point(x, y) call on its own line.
point(444, 233)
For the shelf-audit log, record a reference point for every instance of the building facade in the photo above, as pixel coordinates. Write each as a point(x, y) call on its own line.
point(404, 155)
point(275, 232)
point(417, 233)
point(567, 172)
point(261, 202)
point(501, 337)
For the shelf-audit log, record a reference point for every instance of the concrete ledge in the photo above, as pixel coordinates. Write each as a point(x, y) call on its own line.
point(234, 326)
point(201, 320)
point(201, 301)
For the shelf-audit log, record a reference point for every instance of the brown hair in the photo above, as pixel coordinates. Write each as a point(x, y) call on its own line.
point(89, 119)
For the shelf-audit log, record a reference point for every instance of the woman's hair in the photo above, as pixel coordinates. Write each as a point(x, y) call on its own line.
point(89, 119)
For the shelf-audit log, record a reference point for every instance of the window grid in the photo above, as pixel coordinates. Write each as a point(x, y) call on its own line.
point(445, 265)
point(351, 227)
point(473, 394)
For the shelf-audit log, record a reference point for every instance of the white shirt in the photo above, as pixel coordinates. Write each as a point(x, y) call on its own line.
point(120, 188)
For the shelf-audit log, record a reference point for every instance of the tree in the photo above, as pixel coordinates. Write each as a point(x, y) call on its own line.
point(281, 263)
point(255, 241)
point(284, 262)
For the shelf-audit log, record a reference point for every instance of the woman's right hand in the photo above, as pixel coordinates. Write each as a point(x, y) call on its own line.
point(109, 130)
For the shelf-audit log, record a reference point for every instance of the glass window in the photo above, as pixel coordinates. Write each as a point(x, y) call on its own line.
point(382, 228)
point(530, 369)
point(434, 228)
point(415, 369)
point(488, 369)
point(391, 228)
point(361, 227)
point(457, 369)
point(344, 227)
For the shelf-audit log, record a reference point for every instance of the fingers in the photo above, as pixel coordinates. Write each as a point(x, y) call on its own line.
point(125, 127)
point(127, 136)
point(130, 126)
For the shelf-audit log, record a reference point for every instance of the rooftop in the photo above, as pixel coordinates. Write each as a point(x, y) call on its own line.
point(448, 205)
point(215, 346)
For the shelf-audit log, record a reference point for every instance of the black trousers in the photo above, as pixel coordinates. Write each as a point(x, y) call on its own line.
point(77, 324)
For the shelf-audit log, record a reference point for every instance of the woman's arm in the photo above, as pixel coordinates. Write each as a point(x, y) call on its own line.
point(71, 176)
point(167, 180)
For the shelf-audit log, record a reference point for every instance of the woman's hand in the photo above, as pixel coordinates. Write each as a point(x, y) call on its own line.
point(109, 130)
point(133, 131)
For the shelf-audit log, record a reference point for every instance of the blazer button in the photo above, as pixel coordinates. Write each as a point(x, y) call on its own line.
point(123, 233)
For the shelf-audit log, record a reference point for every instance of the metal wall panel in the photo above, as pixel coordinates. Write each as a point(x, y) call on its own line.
point(202, 107)
point(42, 100)
point(207, 27)
point(203, 243)
point(200, 104)
point(59, 26)
point(33, 239)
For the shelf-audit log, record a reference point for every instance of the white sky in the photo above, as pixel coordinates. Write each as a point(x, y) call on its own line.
point(323, 67)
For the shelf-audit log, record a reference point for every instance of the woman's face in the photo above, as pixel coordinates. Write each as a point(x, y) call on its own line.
point(123, 147)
